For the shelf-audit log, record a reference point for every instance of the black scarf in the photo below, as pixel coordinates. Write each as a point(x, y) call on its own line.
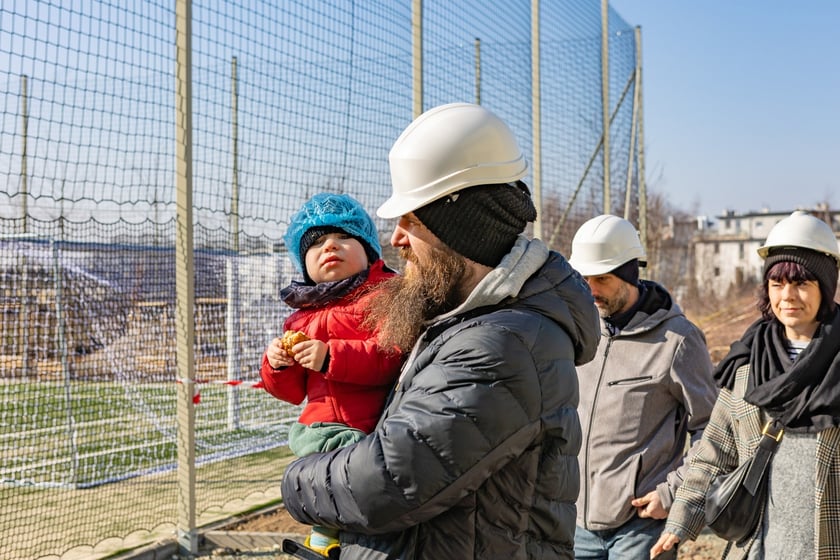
point(803, 395)
point(298, 295)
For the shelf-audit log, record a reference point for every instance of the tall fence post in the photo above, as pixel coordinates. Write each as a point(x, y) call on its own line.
point(24, 163)
point(641, 139)
point(605, 100)
point(536, 116)
point(232, 325)
point(631, 152)
point(417, 56)
point(232, 328)
point(187, 534)
point(477, 57)
point(23, 333)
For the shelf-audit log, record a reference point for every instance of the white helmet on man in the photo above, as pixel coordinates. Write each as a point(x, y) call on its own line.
point(801, 229)
point(449, 148)
point(604, 243)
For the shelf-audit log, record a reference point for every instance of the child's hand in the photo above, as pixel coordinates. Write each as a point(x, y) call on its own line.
point(276, 355)
point(311, 354)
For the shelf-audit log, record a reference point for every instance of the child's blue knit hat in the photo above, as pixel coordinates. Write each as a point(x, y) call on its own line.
point(326, 212)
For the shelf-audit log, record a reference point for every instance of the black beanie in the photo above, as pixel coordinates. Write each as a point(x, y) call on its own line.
point(482, 222)
point(629, 272)
point(311, 236)
point(819, 264)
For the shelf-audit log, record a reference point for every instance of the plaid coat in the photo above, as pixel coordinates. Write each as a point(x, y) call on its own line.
point(731, 436)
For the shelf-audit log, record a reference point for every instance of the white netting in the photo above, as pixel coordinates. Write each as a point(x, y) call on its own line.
point(89, 379)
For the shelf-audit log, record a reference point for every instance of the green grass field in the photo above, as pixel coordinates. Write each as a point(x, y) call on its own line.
point(84, 433)
point(93, 464)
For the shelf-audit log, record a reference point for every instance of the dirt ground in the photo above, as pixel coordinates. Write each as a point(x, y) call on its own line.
point(721, 329)
point(706, 547)
point(278, 521)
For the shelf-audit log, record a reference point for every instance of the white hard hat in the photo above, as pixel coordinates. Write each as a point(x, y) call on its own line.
point(802, 230)
point(447, 149)
point(604, 243)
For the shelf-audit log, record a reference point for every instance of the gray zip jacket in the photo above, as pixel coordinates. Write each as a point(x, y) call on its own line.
point(475, 457)
point(649, 386)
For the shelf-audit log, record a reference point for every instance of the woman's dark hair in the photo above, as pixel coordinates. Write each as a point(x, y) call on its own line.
point(787, 271)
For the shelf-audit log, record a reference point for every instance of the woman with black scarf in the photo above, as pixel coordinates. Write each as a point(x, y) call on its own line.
point(784, 370)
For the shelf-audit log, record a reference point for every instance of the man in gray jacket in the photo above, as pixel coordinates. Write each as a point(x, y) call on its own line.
point(475, 456)
point(649, 388)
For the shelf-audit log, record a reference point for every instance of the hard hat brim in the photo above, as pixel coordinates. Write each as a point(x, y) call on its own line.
point(594, 269)
point(399, 205)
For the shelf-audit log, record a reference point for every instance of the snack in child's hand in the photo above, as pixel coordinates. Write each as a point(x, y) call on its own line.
point(290, 338)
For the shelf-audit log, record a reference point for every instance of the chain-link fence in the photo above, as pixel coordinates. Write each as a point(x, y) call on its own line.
point(288, 99)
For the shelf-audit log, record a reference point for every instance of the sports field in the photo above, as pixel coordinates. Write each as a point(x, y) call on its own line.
point(95, 462)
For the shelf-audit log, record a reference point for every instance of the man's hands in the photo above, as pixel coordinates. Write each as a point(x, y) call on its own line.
point(309, 354)
point(649, 505)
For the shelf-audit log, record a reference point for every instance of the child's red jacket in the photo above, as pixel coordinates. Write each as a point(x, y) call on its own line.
point(359, 375)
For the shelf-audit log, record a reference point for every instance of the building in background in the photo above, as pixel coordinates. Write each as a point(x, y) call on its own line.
point(725, 257)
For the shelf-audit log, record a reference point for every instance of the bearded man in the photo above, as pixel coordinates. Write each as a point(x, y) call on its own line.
point(475, 455)
point(645, 397)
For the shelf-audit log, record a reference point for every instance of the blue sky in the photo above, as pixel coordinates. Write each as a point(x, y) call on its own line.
point(741, 102)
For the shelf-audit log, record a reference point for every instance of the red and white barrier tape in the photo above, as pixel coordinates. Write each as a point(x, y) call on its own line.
point(232, 382)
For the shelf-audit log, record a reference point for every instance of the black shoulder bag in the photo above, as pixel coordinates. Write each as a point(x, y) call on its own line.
point(735, 501)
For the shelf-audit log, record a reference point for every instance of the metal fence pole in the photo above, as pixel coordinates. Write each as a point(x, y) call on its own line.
point(232, 325)
point(477, 71)
point(536, 116)
point(641, 140)
point(232, 328)
point(605, 100)
point(417, 56)
point(24, 172)
point(187, 534)
point(628, 185)
point(23, 333)
point(234, 118)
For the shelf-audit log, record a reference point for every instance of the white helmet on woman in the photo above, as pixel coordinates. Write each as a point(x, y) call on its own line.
point(802, 230)
point(447, 149)
point(604, 243)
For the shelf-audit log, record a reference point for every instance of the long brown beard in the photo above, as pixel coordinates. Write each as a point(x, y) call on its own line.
point(403, 303)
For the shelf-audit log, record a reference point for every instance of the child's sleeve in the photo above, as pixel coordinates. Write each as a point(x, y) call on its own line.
point(287, 384)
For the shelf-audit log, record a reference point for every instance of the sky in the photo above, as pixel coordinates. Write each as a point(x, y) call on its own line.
point(741, 102)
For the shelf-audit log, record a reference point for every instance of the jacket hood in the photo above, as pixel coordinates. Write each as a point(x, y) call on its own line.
point(532, 277)
point(656, 306)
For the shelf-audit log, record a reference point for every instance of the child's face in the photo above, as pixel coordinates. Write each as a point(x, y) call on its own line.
point(335, 256)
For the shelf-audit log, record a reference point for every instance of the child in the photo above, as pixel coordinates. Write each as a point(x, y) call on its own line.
point(340, 370)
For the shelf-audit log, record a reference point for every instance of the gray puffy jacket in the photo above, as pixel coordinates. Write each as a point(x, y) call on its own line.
point(476, 454)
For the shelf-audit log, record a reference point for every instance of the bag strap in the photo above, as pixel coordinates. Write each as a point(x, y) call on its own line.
point(771, 435)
